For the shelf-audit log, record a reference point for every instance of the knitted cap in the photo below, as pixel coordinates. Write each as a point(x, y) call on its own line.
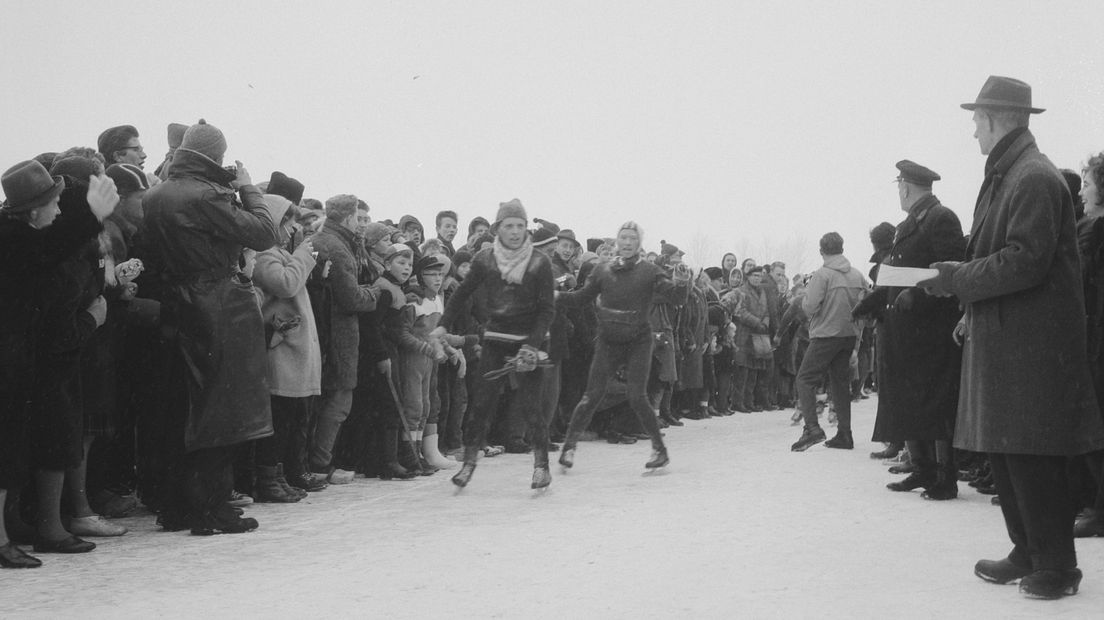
point(374, 232)
point(128, 178)
point(512, 208)
point(205, 139)
point(176, 134)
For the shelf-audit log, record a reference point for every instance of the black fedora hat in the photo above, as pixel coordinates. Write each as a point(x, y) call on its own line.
point(27, 185)
point(1004, 93)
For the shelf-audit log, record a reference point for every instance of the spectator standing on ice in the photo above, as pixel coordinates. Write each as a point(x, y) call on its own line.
point(830, 295)
point(1027, 399)
point(197, 223)
point(918, 366)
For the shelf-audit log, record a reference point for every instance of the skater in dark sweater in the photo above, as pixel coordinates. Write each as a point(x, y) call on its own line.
point(625, 289)
point(511, 286)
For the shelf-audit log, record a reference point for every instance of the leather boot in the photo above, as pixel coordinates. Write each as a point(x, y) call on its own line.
point(282, 481)
point(389, 452)
point(463, 477)
point(946, 483)
point(268, 491)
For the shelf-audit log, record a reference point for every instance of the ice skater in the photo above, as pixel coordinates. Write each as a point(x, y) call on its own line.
point(625, 289)
point(511, 286)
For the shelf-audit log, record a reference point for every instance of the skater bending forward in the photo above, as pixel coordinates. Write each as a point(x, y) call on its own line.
point(625, 288)
point(511, 287)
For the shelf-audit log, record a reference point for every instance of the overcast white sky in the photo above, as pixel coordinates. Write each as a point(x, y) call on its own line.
point(753, 127)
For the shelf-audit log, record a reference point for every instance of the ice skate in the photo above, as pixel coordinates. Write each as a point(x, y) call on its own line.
point(463, 477)
point(541, 477)
point(567, 456)
point(659, 458)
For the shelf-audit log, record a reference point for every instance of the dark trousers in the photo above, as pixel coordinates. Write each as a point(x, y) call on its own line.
point(285, 443)
point(531, 399)
point(1038, 509)
point(208, 482)
point(834, 355)
point(636, 356)
point(453, 392)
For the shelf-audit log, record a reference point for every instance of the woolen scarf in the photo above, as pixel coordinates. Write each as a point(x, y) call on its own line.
point(512, 264)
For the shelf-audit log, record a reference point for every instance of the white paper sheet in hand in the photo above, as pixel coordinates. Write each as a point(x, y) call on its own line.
point(903, 276)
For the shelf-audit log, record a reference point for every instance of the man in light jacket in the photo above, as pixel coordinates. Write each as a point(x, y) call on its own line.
point(832, 292)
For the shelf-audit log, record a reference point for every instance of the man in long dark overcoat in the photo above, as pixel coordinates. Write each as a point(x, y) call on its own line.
point(918, 364)
point(197, 224)
point(1027, 399)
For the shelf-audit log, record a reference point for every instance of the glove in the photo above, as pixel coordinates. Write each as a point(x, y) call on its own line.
point(940, 286)
point(526, 359)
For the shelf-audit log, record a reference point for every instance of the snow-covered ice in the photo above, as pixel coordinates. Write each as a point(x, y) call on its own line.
point(736, 527)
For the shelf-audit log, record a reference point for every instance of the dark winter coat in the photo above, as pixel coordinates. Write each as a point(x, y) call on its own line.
point(919, 365)
point(692, 321)
point(336, 245)
point(1025, 380)
point(195, 229)
point(27, 258)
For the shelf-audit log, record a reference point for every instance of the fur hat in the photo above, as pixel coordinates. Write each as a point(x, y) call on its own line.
point(206, 140)
point(283, 185)
point(714, 273)
point(593, 243)
point(512, 208)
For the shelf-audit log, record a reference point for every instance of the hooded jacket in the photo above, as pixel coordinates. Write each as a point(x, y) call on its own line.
point(830, 295)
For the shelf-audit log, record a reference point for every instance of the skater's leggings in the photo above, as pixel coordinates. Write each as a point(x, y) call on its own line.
point(535, 396)
point(608, 357)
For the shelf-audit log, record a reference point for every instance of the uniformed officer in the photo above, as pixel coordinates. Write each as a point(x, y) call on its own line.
point(918, 363)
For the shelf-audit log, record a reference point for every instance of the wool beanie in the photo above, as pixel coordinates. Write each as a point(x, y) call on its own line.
point(462, 256)
point(669, 249)
point(176, 134)
point(128, 178)
point(206, 140)
point(512, 208)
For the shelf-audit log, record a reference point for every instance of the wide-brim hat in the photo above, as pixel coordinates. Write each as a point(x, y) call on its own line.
point(27, 185)
point(1004, 93)
point(569, 234)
